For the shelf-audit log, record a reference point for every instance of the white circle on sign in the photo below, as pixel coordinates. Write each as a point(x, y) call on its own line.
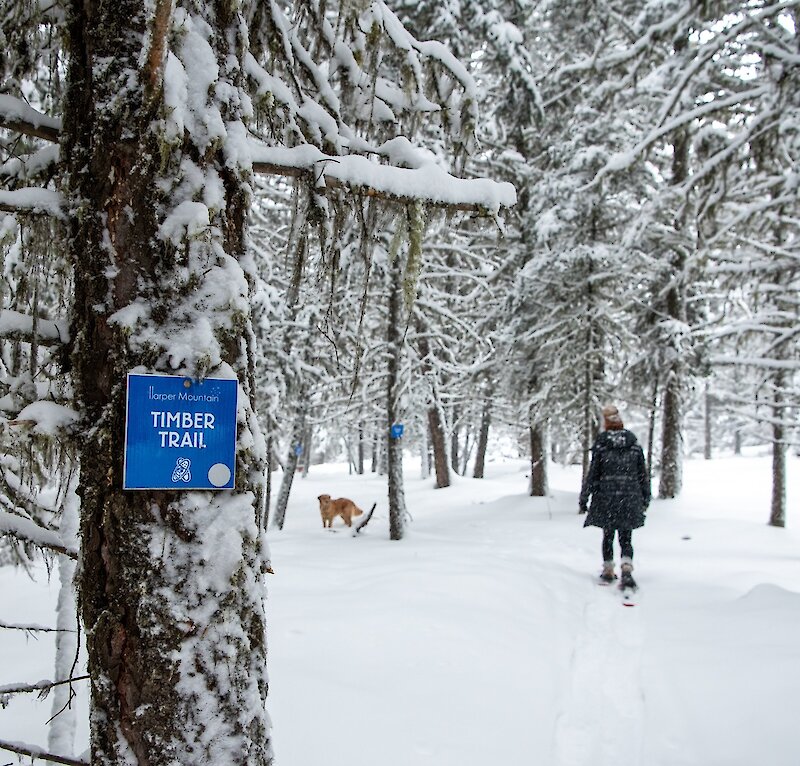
point(219, 474)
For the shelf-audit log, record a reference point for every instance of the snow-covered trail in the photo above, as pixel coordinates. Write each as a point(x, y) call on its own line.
point(600, 717)
point(482, 637)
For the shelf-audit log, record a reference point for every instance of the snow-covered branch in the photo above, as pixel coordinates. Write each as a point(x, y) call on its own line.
point(623, 160)
point(16, 115)
point(32, 200)
point(27, 530)
point(16, 326)
point(24, 167)
point(47, 418)
point(758, 361)
point(428, 183)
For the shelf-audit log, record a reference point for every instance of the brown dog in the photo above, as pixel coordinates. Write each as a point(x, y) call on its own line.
point(329, 509)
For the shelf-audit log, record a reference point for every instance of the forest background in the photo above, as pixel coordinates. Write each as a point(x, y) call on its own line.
point(296, 196)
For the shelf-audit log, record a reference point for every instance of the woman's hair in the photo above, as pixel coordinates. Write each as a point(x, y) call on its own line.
point(611, 418)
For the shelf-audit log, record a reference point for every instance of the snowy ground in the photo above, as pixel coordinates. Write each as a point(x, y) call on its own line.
point(482, 638)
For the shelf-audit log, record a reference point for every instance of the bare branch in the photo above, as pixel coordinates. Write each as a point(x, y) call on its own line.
point(37, 752)
point(39, 686)
point(32, 628)
point(152, 71)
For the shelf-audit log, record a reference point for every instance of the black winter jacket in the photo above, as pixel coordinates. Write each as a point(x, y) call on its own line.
point(617, 482)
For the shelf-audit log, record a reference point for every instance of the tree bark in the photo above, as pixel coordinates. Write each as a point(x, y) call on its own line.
point(290, 468)
point(777, 517)
point(360, 464)
point(483, 439)
point(175, 633)
point(441, 466)
point(424, 452)
point(435, 413)
point(454, 446)
point(651, 428)
point(307, 450)
point(589, 417)
point(538, 461)
point(394, 446)
point(671, 480)
point(707, 423)
point(466, 451)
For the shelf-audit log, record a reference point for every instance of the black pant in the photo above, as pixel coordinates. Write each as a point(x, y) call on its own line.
point(625, 543)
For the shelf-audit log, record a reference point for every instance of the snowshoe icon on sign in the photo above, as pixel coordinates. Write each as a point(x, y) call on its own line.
point(182, 471)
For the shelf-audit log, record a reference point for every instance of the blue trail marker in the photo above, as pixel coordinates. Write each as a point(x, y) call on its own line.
point(180, 433)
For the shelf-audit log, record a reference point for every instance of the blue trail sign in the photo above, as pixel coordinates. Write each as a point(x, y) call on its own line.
point(180, 433)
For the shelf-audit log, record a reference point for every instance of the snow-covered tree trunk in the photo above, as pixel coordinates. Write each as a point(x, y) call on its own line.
point(671, 442)
point(306, 454)
point(454, 445)
point(671, 479)
point(360, 464)
point(707, 430)
point(61, 732)
point(424, 451)
point(296, 448)
point(171, 587)
point(777, 516)
point(266, 500)
point(394, 446)
point(589, 424)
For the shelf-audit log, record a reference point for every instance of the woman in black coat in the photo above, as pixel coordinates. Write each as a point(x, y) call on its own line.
point(620, 490)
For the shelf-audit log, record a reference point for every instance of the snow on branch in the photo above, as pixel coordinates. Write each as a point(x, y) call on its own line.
point(32, 200)
point(27, 530)
point(645, 39)
point(623, 160)
point(18, 116)
point(20, 327)
point(43, 161)
point(46, 418)
point(429, 183)
point(37, 752)
point(764, 363)
point(15, 497)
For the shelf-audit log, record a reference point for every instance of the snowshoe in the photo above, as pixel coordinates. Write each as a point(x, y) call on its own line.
point(626, 581)
point(607, 576)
